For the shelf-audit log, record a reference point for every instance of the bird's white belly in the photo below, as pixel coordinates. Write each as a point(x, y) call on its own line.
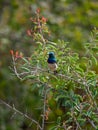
point(52, 67)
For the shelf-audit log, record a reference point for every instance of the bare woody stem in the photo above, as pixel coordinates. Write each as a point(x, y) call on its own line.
point(92, 123)
point(21, 113)
point(15, 70)
point(44, 106)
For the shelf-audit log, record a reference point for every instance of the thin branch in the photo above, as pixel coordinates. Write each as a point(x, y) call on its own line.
point(90, 94)
point(21, 74)
point(92, 123)
point(78, 125)
point(15, 70)
point(44, 107)
point(21, 113)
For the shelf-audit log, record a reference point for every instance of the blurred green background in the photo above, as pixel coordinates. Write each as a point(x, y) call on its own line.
point(70, 20)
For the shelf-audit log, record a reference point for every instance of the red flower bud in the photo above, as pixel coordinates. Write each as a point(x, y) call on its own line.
point(29, 33)
point(12, 52)
point(16, 54)
point(38, 10)
point(44, 20)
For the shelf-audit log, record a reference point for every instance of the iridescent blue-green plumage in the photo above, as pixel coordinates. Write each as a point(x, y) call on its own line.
point(52, 62)
point(51, 58)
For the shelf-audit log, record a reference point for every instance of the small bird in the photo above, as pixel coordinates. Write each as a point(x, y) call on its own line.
point(52, 62)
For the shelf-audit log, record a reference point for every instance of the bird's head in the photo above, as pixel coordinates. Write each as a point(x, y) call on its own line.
point(51, 55)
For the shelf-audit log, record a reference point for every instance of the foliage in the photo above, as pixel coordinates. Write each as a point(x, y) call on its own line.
point(73, 89)
point(69, 20)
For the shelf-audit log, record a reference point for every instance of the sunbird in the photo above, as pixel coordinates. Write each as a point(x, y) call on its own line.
point(52, 62)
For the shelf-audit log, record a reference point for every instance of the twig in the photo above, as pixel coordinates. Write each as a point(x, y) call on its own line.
point(21, 74)
point(92, 123)
point(21, 113)
point(44, 107)
point(78, 125)
point(15, 70)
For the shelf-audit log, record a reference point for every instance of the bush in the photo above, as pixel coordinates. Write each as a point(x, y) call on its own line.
point(68, 97)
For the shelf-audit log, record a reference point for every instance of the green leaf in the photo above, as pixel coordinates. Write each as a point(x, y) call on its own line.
point(34, 86)
point(94, 60)
point(40, 43)
point(41, 90)
point(25, 60)
point(51, 47)
point(79, 69)
point(81, 120)
point(60, 97)
point(95, 49)
point(87, 45)
point(52, 43)
point(59, 120)
point(25, 68)
point(29, 77)
point(69, 128)
point(53, 128)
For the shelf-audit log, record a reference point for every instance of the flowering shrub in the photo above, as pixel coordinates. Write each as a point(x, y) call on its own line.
point(72, 93)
